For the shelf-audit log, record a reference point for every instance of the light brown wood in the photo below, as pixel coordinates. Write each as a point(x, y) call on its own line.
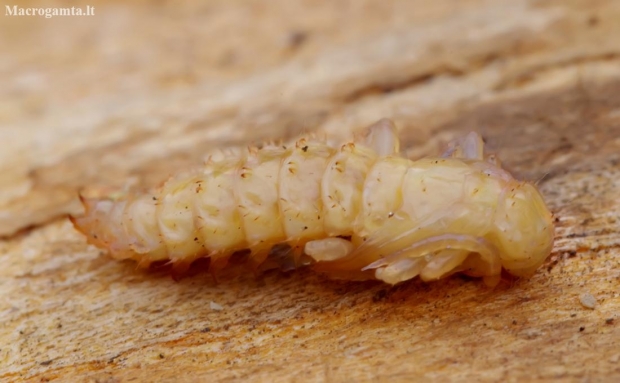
point(140, 90)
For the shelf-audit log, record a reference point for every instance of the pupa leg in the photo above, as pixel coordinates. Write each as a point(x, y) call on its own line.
point(435, 257)
point(430, 267)
point(382, 137)
point(401, 270)
point(470, 147)
point(410, 264)
point(443, 263)
point(328, 249)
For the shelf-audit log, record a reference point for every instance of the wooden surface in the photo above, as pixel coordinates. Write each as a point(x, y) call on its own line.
point(141, 89)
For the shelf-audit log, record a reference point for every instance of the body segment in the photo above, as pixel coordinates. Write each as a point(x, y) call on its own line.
point(357, 211)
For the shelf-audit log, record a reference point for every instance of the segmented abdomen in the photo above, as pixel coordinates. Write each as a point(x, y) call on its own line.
point(270, 196)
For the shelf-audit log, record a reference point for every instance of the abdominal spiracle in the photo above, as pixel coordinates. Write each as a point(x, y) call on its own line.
point(359, 211)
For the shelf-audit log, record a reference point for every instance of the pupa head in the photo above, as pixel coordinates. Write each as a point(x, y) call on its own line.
point(524, 229)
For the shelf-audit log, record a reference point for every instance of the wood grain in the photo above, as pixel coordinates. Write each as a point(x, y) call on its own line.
point(140, 90)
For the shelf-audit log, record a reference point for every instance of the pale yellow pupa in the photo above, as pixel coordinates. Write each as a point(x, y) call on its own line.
point(358, 211)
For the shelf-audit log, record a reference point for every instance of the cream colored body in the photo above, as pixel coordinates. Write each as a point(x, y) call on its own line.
point(359, 211)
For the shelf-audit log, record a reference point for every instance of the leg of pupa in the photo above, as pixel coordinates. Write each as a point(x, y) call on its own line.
point(328, 249)
point(442, 264)
point(410, 264)
point(382, 137)
point(401, 270)
point(435, 257)
point(470, 147)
